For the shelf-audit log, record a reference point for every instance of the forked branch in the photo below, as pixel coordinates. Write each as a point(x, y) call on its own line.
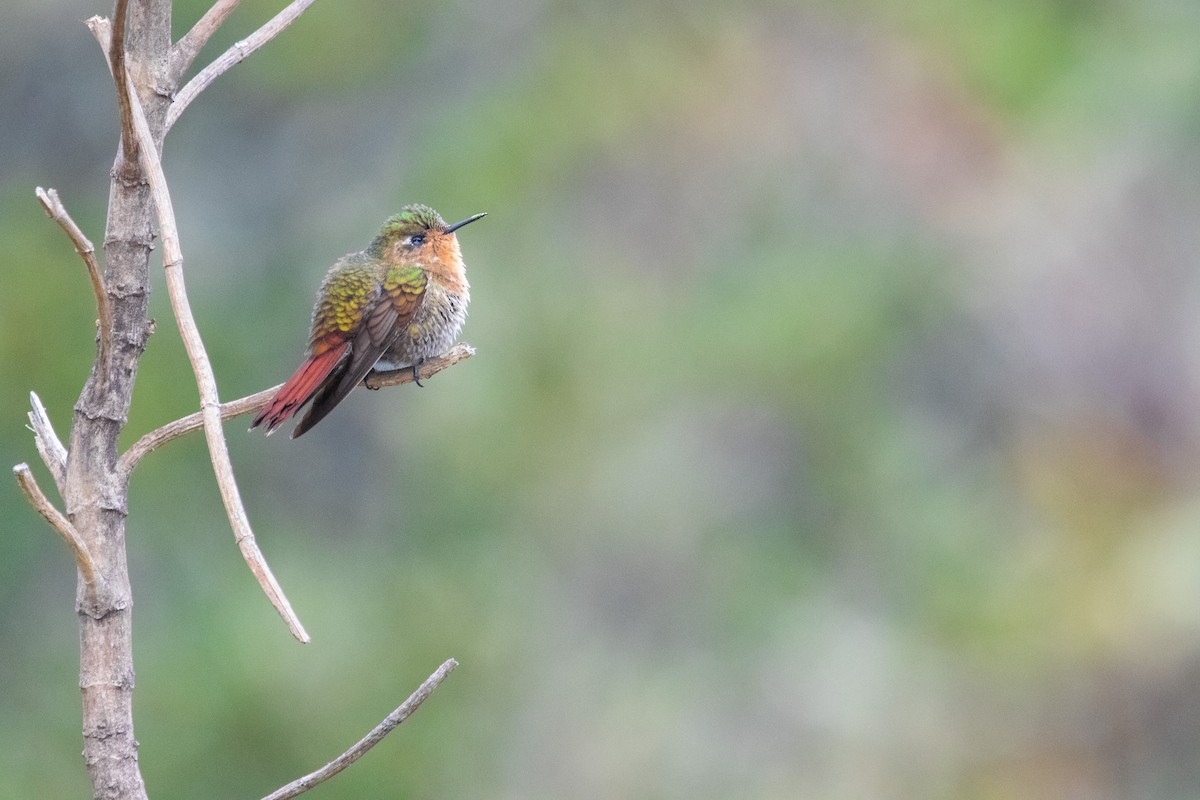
point(390, 723)
point(210, 404)
point(95, 529)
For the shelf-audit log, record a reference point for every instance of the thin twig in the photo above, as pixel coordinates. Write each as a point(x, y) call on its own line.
point(192, 422)
point(245, 405)
point(390, 722)
point(57, 211)
point(429, 368)
point(189, 46)
point(210, 404)
point(234, 55)
point(60, 523)
point(116, 64)
point(48, 444)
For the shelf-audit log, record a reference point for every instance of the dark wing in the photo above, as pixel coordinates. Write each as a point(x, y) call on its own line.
point(384, 321)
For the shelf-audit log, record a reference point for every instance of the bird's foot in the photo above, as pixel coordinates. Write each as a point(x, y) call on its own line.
point(416, 370)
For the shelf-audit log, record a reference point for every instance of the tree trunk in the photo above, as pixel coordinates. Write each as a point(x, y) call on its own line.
point(94, 491)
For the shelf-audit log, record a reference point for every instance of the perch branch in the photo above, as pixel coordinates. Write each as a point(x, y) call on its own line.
point(431, 367)
point(245, 405)
point(189, 46)
point(116, 64)
point(58, 521)
point(210, 404)
point(48, 444)
point(390, 722)
point(234, 55)
point(57, 211)
point(173, 430)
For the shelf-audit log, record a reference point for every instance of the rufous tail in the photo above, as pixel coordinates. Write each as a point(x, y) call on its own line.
point(299, 388)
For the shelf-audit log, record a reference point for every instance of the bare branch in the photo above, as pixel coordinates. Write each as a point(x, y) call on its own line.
point(60, 523)
point(116, 64)
point(48, 444)
point(57, 211)
point(192, 422)
point(431, 367)
point(210, 404)
point(187, 48)
point(390, 722)
point(234, 55)
point(245, 405)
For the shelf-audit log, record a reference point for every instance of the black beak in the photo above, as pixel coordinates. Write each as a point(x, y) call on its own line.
point(467, 221)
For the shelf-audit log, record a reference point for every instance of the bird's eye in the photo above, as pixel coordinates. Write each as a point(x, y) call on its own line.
point(416, 240)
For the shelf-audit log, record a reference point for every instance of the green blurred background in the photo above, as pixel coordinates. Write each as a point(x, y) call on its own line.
point(833, 431)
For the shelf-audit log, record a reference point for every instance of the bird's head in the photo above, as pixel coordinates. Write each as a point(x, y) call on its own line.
point(419, 236)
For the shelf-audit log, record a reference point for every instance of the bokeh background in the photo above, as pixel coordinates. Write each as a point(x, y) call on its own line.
point(833, 433)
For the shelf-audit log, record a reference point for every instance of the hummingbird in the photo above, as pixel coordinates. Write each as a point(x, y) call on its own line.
point(393, 305)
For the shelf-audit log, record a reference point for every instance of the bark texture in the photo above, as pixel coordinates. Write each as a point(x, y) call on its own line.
point(95, 490)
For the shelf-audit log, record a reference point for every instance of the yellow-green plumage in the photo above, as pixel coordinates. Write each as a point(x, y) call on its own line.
point(398, 302)
point(344, 295)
